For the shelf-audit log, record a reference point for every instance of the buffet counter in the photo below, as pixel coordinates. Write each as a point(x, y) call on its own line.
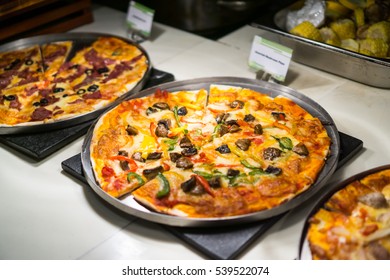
point(47, 214)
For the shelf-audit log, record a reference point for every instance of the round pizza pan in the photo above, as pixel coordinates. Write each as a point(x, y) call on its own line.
point(132, 207)
point(304, 250)
point(80, 40)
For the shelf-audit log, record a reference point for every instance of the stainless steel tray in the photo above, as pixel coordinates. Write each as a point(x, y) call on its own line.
point(304, 250)
point(351, 65)
point(80, 40)
point(132, 207)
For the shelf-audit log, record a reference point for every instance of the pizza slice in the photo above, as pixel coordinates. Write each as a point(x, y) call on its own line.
point(16, 103)
point(96, 74)
point(20, 67)
point(54, 56)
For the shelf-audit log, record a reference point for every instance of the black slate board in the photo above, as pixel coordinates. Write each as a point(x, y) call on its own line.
point(40, 145)
point(225, 242)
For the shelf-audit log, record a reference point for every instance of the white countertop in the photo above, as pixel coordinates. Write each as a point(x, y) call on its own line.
point(46, 214)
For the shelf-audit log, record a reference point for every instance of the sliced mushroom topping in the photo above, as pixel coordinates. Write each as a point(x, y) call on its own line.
point(162, 128)
point(123, 163)
point(374, 199)
point(237, 104)
point(123, 153)
point(221, 118)
point(151, 110)
point(271, 153)
point(182, 111)
point(138, 157)
point(188, 185)
point(199, 189)
point(223, 129)
point(161, 131)
point(233, 172)
point(166, 122)
point(223, 149)
point(185, 142)
point(215, 182)
point(189, 151)
point(153, 172)
point(131, 130)
point(273, 170)
point(232, 122)
point(184, 163)
point(258, 129)
point(301, 149)
point(161, 106)
point(153, 156)
point(234, 128)
point(174, 156)
point(249, 118)
point(243, 144)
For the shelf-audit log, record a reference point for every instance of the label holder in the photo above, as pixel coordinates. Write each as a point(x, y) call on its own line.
point(269, 60)
point(139, 22)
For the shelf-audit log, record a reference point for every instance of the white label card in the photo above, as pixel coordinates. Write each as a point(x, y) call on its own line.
point(270, 57)
point(140, 18)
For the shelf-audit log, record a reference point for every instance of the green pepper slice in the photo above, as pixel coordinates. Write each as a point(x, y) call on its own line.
point(204, 174)
point(176, 116)
point(171, 143)
point(257, 172)
point(284, 142)
point(165, 189)
point(139, 179)
point(245, 163)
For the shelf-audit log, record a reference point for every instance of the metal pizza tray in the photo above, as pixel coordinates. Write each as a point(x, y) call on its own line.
point(304, 250)
point(130, 206)
point(80, 40)
point(348, 64)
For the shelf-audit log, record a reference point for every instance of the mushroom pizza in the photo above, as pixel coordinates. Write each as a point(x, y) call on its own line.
point(214, 152)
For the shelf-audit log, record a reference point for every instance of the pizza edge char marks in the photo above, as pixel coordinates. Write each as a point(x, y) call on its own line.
point(38, 85)
point(242, 153)
point(355, 222)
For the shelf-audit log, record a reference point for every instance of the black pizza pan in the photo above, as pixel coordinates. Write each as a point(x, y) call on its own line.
point(80, 40)
point(304, 250)
point(130, 206)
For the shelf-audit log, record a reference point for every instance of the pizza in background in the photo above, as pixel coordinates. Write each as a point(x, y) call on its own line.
point(216, 152)
point(41, 84)
point(355, 222)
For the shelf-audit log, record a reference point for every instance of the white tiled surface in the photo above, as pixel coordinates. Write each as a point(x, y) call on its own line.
point(45, 214)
